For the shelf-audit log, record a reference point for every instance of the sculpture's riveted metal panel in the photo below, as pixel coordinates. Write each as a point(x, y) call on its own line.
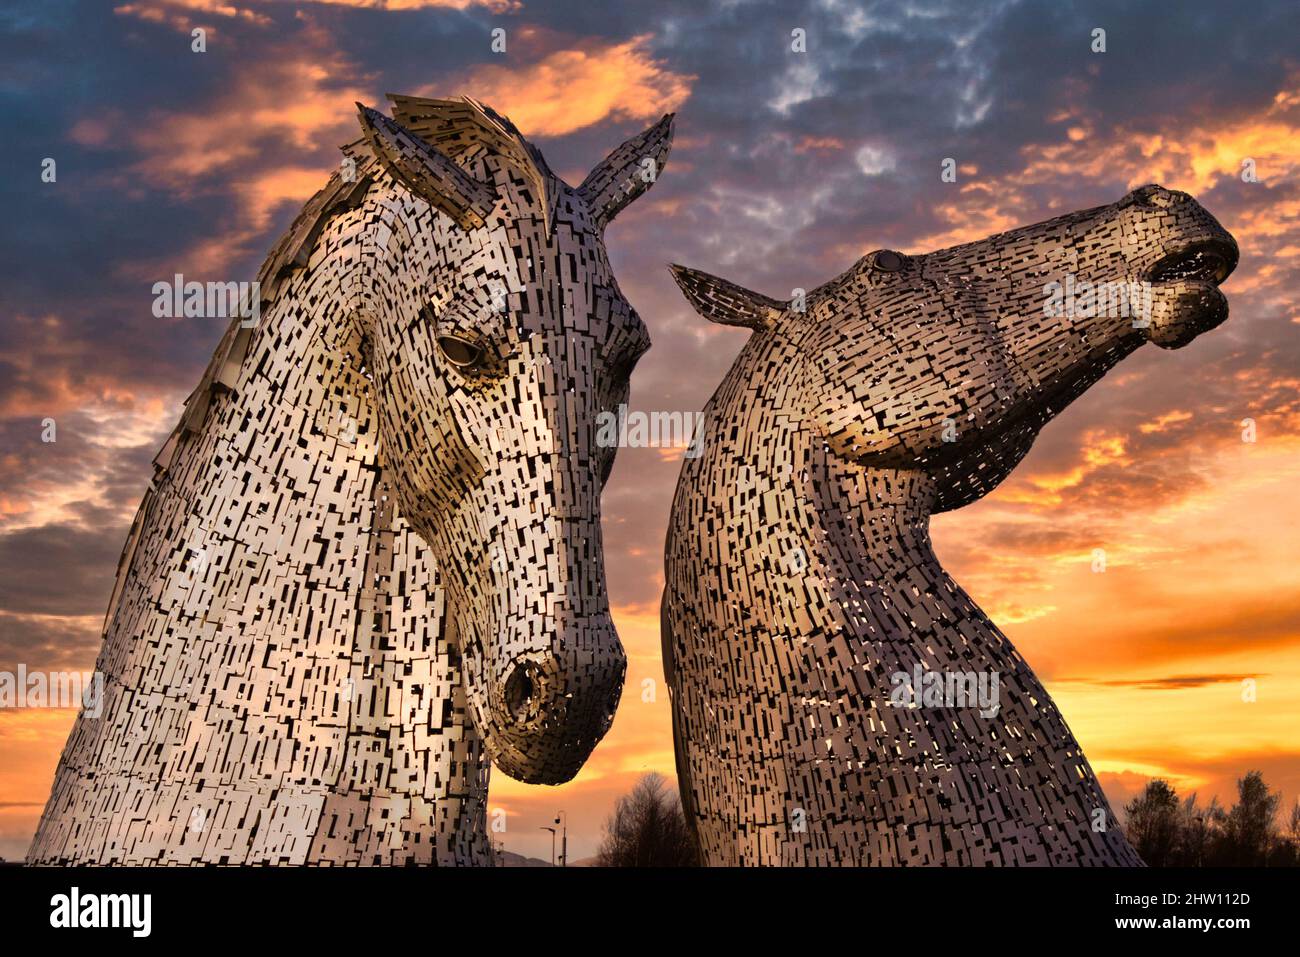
point(837, 698)
point(370, 558)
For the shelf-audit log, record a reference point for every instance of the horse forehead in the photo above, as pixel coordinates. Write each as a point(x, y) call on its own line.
point(567, 251)
point(568, 264)
point(600, 334)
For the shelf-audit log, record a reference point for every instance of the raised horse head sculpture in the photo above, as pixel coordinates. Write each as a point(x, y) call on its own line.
point(837, 698)
point(370, 559)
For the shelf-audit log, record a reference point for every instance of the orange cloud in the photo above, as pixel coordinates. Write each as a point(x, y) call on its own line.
point(1192, 152)
point(1147, 658)
point(495, 6)
point(572, 89)
point(173, 12)
point(810, 144)
point(1097, 451)
point(294, 99)
point(1160, 422)
point(289, 101)
point(176, 13)
point(290, 96)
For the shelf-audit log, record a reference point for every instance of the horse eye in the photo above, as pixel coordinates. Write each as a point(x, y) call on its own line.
point(888, 261)
point(460, 352)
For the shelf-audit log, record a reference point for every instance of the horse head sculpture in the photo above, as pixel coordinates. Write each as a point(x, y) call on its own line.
point(908, 385)
point(494, 351)
point(370, 559)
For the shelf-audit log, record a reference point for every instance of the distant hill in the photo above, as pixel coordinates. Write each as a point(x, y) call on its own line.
point(511, 859)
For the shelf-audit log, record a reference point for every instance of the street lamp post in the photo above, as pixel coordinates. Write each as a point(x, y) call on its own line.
point(552, 830)
point(564, 837)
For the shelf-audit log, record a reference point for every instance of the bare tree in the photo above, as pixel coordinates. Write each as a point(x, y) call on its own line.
point(1200, 832)
point(648, 829)
point(1152, 826)
point(1250, 824)
point(1169, 834)
point(1286, 852)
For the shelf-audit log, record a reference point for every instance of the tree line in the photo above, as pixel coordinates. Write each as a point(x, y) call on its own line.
point(1169, 832)
point(648, 828)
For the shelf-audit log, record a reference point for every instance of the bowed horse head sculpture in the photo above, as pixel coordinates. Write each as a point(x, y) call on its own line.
point(802, 652)
point(370, 559)
point(494, 350)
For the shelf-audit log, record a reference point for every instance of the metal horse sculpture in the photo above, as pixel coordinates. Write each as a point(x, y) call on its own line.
point(824, 668)
point(370, 559)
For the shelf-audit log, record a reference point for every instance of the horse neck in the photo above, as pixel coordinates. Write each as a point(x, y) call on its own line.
point(776, 542)
point(803, 590)
point(271, 472)
point(275, 524)
point(824, 543)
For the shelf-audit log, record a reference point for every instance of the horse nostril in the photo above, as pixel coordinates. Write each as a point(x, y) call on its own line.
point(521, 692)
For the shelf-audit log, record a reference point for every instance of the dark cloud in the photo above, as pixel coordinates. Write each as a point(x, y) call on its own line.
point(59, 569)
point(1171, 683)
point(49, 642)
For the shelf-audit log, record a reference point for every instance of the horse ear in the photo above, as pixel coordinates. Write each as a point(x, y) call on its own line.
point(627, 172)
point(425, 171)
point(720, 301)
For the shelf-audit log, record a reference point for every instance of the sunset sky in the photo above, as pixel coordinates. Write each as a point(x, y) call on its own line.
point(786, 168)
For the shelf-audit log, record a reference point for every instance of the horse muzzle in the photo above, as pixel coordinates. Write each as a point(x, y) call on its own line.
point(549, 707)
point(1196, 255)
